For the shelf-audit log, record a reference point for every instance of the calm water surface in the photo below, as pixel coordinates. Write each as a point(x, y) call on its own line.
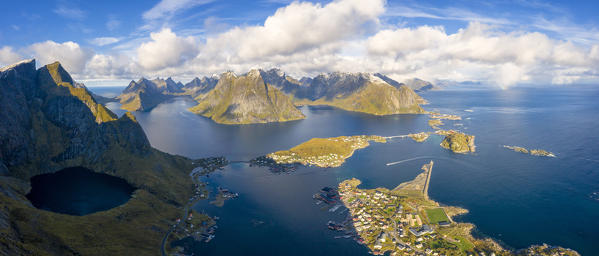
point(516, 198)
point(78, 191)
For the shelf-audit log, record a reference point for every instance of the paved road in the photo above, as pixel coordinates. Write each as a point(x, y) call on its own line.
point(163, 244)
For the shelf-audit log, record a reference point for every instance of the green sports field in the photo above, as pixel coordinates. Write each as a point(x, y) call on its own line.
point(436, 215)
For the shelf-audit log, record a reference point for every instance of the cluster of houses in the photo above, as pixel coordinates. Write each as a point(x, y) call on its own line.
point(379, 214)
point(328, 160)
point(325, 159)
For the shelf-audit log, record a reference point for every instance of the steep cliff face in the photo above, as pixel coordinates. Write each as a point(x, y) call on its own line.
point(146, 94)
point(420, 85)
point(198, 87)
point(360, 92)
point(246, 99)
point(49, 123)
point(282, 81)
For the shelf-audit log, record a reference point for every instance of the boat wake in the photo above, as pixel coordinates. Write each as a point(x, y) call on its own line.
point(407, 160)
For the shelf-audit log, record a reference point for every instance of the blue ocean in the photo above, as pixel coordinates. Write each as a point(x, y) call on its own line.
point(514, 198)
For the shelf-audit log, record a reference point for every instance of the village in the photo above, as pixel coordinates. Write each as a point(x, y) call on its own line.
point(383, 223)
point(401, 221)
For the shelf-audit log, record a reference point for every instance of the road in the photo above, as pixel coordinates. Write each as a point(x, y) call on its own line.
point(165, 238)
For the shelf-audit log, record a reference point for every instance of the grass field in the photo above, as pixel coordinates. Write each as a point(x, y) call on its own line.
point(436, 215)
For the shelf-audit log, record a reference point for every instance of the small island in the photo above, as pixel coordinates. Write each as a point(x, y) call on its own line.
point(435, 123)
point(436, 115)
point(419, 137)
point(541, 152)
point(404, 221)
point(534, 152)
point(458, 142)
point(324, 152)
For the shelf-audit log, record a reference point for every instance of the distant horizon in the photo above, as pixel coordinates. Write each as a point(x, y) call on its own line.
point(499, 43)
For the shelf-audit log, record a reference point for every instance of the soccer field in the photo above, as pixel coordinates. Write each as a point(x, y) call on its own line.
point(436, 215)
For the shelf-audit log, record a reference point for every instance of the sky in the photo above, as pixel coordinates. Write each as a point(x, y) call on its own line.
point(500, 43)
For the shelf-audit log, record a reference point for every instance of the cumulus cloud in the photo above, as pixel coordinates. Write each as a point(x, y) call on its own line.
point(297, 27)
point(110, 66)
point(166, 50)
point(594, 55)
point(8, 56)
point(406, 40)
point(70, 54)
point(477, 52)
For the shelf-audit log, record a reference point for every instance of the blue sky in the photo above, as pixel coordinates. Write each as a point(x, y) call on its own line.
point(100, 39)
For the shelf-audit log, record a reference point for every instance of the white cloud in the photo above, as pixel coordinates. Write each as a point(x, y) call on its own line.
point(8, 56)
point(594, 55)
point(101, 41)
point(443, 14)
point(110, 66)
point(406, 39)
point(479, 53)
point(70, 12)
point(70, 54)
point(166, 50)
point(169, 7)
point(297, 27)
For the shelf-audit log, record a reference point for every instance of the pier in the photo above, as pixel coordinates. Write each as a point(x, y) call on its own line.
point(429, 170)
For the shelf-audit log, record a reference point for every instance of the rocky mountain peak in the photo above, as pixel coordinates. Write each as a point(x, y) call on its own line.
point(254, 73)
point(59, 74)
point(24, 66)
point(228, 75)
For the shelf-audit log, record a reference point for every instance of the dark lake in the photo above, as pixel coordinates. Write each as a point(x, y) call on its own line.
point(516, 198)
point(78, 191)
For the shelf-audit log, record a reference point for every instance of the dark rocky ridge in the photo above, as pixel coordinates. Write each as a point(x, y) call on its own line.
point(49, 123)
point(145, 94)
point(197, 86)
point(415, 84)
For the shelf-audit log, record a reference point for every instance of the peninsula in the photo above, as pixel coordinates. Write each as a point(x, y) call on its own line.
point(404, 221)
point(324, 152)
